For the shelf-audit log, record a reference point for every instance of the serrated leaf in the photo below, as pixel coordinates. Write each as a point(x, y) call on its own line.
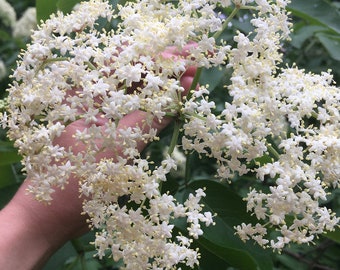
point(331, 43)
point(6, 193)
point(66, 6)
point(45, 8)
point(225, 202)
point(220, 239)
point(8, 154)
point(7, 176)
point(334, 235)
point(291, 263)
point(9, 157)
point(319, 12)
point(212, 76)
point(300, 36)
point(210, 261)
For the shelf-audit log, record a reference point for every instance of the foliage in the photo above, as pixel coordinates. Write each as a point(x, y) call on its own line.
point(316, 37)
point(315, 46)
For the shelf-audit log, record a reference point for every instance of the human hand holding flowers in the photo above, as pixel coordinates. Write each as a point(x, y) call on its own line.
point(275, 124)
point(43, 228)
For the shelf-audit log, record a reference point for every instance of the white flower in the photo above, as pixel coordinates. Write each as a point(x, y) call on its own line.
point(3, 70)
point(7, 14)
point(26, 23)
point(74, 70)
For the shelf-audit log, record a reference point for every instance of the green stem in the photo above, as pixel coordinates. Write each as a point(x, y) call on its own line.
point(315, 114)
point(49, 60)
point(83, 262)
point(73, 264)
point(194, 82)
point(226, 22)
point(170, 114)
point(198, 116)
point(215, 36)
point(57, 59)
point(175, 136)
point(78, 246)
point(273, 152)
point(90, 65)
point(196, 79)
point(188, 167)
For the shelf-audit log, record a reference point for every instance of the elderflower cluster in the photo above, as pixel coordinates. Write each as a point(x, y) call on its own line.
point(75, 73)
point(285, 121)
point(3, 70)
point(7, 14)
point(26, 23)
point(21, 27)
point(281, 125)
point(141, 239)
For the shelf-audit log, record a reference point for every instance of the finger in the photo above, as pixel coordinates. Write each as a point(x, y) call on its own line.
point(186, 83)
point(173, 51)
point(136, 119)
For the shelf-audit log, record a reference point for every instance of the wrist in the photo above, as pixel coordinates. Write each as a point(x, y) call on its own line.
point(21, 247)
point(32, 231)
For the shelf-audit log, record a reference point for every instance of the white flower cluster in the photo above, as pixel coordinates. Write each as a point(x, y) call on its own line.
point(3, 70)
point(140, 239)
point(280, 114)
point(21, 27)
point(26, 23)
point(7, 14)
point(75, 71)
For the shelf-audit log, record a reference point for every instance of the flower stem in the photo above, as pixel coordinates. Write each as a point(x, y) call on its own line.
point(196, 79)
point(187, 175)
point(77, 245)
point(315, 115)
point(194, 82)
point(83, 262)
point(215, 36)
point(175, 136)
point(273, 152)
point(226, 22)
point(90, 65)
point(48, 61)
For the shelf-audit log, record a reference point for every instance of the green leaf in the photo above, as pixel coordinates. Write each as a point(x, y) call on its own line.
point(300, 36)
point(291, 263)
point(210, 261)
point(220, 239)
point(59, 258)
point(45, 8)
point(9, 157)
point(331, 43)
point(6, 193)
point(224, 201)
point(212, 76)
point(66, 6)
point(319, 12)
point(67, 254)
point(334, 235)
point(8, 176)
point(8, 154)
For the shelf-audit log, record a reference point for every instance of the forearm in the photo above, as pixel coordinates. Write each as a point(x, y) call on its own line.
point(32, 231)
point(21, 248)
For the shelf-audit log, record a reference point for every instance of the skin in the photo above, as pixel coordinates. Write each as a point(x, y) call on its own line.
point(32, 231)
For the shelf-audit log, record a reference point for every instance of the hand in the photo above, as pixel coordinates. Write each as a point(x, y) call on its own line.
point(33, 231)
